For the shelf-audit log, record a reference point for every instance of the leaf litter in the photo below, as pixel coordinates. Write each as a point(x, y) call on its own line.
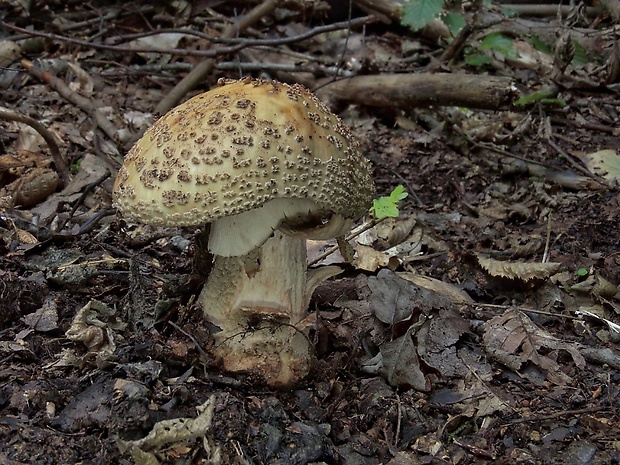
point(513, 359)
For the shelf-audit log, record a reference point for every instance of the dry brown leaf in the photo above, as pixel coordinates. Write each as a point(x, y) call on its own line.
point(369, 259)
point(518, 270)
point(24, 237)
point(454, 293)
point(167, 432)
point(425, 331)
point(514, 340)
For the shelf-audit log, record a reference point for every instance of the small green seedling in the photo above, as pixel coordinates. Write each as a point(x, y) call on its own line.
point(382, 208)
point(387, 206)
point(582, 272)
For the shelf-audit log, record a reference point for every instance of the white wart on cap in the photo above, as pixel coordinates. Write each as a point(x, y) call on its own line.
point(249, 156)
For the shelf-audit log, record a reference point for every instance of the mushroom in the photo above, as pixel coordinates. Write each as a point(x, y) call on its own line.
point(268, 165)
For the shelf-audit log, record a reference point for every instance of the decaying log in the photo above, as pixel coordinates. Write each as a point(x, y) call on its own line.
point(422, 90)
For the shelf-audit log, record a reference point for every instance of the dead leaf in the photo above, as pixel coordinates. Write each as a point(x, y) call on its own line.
point(369, 259)
point(436, 342)
point(604, 163)
point(518, 270)
point(514, 340)
point(84, 84)
point(168, 432)
point(454, 293)
point(9, 52)
point(432, 330)
point(401, 364)
point(392, 298)
point(45, 318)
point(94, 326)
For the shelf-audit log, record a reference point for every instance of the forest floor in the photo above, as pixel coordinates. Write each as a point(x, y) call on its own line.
point(480, 325)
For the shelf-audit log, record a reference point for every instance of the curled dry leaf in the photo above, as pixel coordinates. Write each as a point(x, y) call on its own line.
point(168, 432)
point(515, 341)
point(518, 270)
point(26, 178)
point(394, 299)
point(389, 243)
point(400, 363)
point(34, 187)
point(94, 326)
point(454, 293)
point(84, 84)
point(369, 259)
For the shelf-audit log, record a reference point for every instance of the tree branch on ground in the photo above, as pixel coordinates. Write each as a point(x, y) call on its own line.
point(50, 139)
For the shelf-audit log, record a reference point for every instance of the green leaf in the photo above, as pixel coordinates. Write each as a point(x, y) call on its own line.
point(555, 102)
point(477, 60)
point(533, 97)
point(454, 21)
point(387, 206)
point(418, 13)
point(398, 194)
point(581, 272)
point(540, 45)
point(580, 58)
point(75, 166)
point(499, 43)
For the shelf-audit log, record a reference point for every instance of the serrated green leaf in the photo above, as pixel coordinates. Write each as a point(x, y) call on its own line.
point(387, 206)
point(398, 193)
point(418, 13)
point(382, 209)
point(454, 21)
point(556, 102)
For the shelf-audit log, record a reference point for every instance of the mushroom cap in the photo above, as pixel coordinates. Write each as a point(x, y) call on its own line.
point(238, 147)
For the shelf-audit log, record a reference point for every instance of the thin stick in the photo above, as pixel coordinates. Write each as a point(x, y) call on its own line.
point(364, 227)
point(548, 241)
point(238, 42)
point(59, 161)
point(522, 309)
point(117, 48)
point(399, 419)
point(203, 69)
point(256, 42)
point(192, 338)
point(82, 103)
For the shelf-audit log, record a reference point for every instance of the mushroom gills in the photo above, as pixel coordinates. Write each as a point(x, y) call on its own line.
point(238, 235)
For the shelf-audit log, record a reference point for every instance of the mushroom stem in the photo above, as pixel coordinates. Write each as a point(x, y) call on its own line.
point(259, 302)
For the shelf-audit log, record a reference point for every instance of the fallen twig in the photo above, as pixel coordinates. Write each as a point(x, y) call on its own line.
point(551, 10)
point(356, 232)
point(312, 68)
point(204, 68)
point(250, 42)
point(421, 90)
point(59, 161)
point(119, 48)
point(87, 189)
point(81, 102)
